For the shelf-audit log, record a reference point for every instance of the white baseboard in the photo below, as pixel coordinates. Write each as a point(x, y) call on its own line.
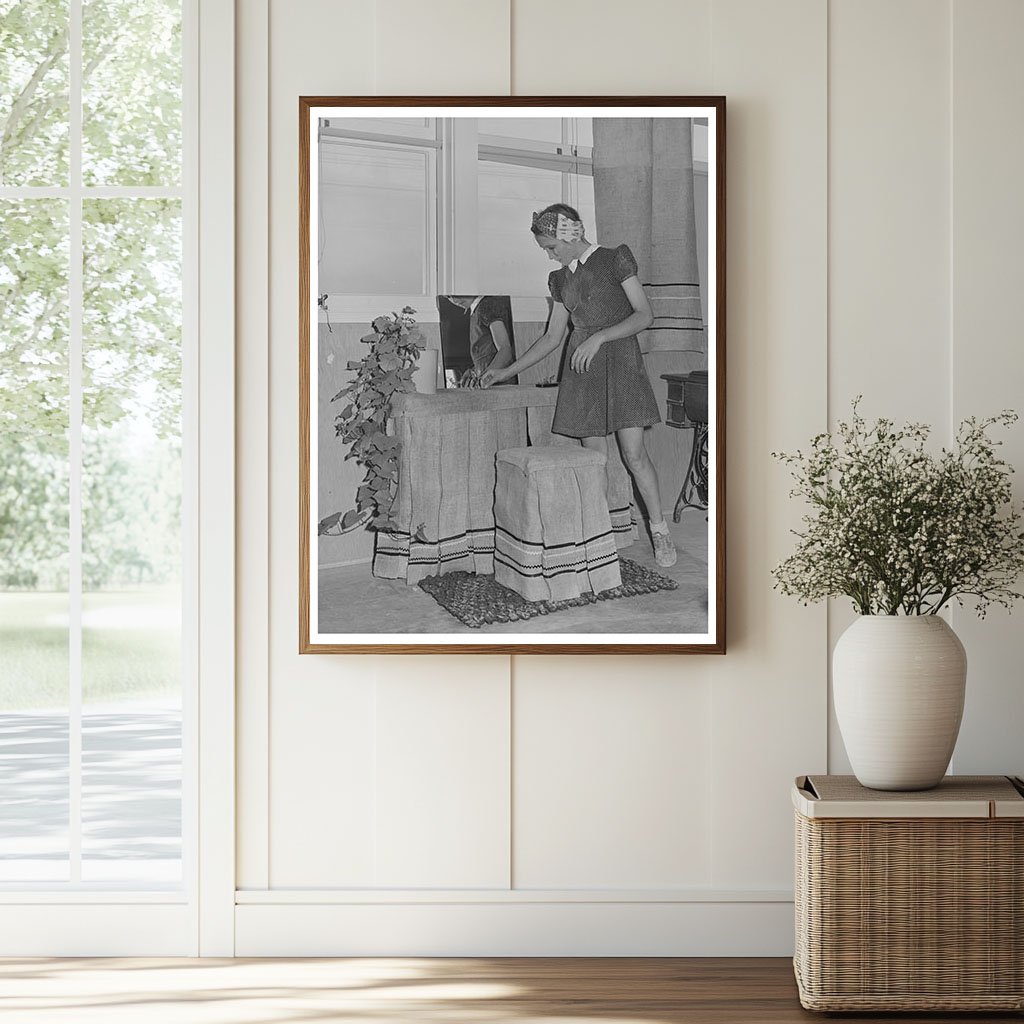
point(515, 929)
point(443, 924)
point(99, 928)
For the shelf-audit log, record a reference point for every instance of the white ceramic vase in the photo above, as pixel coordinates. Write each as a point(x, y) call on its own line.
point(898, 685)
point(425, 373)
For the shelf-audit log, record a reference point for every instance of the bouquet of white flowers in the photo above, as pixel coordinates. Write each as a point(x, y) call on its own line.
point(898, 529)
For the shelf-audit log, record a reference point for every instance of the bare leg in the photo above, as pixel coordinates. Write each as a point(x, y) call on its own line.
point(641, 469)
point(645, 476)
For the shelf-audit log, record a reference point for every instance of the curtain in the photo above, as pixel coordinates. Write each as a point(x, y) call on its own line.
point(643, 194)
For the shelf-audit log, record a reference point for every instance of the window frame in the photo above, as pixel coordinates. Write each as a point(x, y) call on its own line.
point(381, 135)
point(76, 918)
point(452, 202)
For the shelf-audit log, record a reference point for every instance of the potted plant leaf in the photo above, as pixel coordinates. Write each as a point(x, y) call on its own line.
point(387, 368)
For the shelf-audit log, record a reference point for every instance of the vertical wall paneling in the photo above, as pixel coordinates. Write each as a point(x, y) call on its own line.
point(442, 48)
point(252, 522)
point(611, 775)
point(316, 704)
point(442, 774)
point(769, 692)
point(888, 223)
point(847, 273)
point(324, 776)
point(576, 47)
point(987, 366)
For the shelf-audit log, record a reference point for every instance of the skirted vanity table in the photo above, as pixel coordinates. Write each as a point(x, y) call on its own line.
point(444, 510)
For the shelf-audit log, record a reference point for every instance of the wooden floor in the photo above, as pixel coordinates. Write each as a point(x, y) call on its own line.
point(413, 991)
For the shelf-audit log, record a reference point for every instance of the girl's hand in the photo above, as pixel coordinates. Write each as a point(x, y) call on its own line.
point(493, 377)
point(585, 352)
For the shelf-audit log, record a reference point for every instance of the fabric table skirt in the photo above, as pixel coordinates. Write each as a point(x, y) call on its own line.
point(553, 535)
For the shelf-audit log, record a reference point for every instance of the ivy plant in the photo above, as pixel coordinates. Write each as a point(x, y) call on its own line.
point(387, 369)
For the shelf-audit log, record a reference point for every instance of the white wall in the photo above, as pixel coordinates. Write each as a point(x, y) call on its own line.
point(545, 805)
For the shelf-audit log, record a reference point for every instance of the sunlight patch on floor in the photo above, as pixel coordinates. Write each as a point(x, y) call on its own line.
point(219, 991)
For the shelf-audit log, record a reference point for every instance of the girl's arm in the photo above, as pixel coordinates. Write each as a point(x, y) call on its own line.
point(638, 320)
point(499, 335)
point(543, 346)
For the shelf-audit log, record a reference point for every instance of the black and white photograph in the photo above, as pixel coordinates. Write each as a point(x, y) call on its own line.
point(512, 375)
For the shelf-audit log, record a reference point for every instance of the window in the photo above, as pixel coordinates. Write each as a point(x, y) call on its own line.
point(508, 195)
point(410, 208)
point(95, 470)
point(525, 164)
point(378, 206)
point(378, 202)
point(414, 207)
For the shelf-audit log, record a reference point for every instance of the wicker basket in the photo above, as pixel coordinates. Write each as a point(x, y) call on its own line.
point(910, 901)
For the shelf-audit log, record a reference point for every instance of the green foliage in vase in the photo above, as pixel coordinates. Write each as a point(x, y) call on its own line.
point(384, 371)
point(899, 529)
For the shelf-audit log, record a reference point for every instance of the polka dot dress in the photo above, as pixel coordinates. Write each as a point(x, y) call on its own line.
point(615, 391)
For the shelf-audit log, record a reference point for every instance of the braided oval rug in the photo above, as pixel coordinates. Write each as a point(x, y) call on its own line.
point(480, 601)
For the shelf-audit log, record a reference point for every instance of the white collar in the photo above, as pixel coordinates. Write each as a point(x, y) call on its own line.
point(583, 257)
point(474, 304)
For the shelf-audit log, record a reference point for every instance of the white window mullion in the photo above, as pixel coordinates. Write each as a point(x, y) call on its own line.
point(96, 191)
point(190, 456)
point(566, 198)
point(463, 212)
point(432, 255)
point(34, 192)
point(75, 299)
point(134, 192)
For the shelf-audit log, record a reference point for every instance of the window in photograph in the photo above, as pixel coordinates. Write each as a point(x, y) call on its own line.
point(380, 200)
point(525, 164)
point(378, 210)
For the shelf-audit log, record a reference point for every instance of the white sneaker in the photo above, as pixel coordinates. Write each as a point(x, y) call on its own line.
point(664, 549)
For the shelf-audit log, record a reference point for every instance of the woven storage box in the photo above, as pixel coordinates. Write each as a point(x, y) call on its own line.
point(910, 901)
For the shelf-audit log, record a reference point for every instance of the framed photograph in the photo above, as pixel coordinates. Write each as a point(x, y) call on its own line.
point(512, 375)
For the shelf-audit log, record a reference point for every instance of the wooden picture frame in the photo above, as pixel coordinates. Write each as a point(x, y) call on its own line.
point(403, 199)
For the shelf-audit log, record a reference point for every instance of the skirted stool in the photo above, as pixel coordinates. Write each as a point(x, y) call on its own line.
point(553, 537)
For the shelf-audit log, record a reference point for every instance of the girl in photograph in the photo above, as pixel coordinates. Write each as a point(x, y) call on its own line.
point(604, 389)
point(488, 340)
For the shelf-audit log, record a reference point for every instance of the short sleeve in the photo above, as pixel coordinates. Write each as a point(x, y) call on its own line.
point(489, 309)
point(624, 263)
point(555, 285)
